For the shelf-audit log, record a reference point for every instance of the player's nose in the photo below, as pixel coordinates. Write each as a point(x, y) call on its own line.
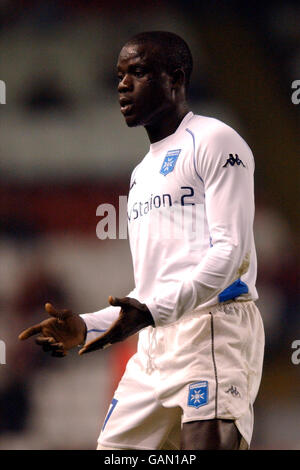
point(126, 84)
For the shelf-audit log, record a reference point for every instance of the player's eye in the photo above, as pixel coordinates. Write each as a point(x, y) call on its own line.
point(138, 72)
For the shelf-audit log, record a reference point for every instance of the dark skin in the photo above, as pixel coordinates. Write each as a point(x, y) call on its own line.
point(155, 99)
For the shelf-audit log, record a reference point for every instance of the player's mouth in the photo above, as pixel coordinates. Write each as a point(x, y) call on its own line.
point(126, 106)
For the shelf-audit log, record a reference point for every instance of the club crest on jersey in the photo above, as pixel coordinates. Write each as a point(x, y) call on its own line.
point(198, 394)
point(169, 161)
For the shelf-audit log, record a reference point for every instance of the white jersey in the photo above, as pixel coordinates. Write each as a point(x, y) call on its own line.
point(204, 171)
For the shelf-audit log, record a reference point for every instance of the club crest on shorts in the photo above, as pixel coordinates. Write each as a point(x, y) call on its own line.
point(198, 394)
point(169, 161)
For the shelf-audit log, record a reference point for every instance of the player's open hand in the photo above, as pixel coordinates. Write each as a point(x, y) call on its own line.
point(59, 333)
point(132, 318)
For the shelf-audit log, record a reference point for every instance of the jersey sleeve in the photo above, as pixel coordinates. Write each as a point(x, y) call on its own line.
point(225, 164)
point(98, 322)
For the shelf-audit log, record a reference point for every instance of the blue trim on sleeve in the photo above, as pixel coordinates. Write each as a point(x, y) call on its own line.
point(99, 331)
point(235, 289)
point(194, 155)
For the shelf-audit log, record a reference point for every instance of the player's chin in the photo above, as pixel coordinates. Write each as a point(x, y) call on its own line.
point(132, 120)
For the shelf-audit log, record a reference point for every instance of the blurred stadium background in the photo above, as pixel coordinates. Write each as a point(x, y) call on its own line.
point(65, 149)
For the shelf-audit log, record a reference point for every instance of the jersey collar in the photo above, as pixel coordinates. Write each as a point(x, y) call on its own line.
point(161, 143)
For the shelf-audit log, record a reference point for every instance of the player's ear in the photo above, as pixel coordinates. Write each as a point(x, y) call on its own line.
point(178, 78)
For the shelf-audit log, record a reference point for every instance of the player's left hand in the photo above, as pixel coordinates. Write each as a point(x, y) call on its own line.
point(132, 318)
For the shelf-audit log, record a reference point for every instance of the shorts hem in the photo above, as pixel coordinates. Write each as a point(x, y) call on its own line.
point(242, 433)
point(200, 418)
point(121, 446)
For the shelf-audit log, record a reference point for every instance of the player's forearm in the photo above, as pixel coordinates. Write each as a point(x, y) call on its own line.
point(222, 265)
point(99, 322)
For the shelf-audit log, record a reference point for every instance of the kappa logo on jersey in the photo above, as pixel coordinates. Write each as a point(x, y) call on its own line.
point(198, 394)
point(134, 182)
point(232, 161)
point(169, 161)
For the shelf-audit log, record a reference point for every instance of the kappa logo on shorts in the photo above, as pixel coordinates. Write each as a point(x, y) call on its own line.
point(198, 394)
point(234, 391)
point(169, 161)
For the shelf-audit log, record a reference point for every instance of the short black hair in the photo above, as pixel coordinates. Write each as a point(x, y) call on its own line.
point(174, 51)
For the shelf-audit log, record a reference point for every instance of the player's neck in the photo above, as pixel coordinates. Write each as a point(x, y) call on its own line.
point(167, 123)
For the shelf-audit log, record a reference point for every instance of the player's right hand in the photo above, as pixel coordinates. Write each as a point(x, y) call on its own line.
point(63, 331)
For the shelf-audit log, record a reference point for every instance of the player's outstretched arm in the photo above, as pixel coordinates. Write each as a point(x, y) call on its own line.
point(59, 333)
point(132, 318)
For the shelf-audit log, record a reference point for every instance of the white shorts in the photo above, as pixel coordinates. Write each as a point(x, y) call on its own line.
point(205, 366)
